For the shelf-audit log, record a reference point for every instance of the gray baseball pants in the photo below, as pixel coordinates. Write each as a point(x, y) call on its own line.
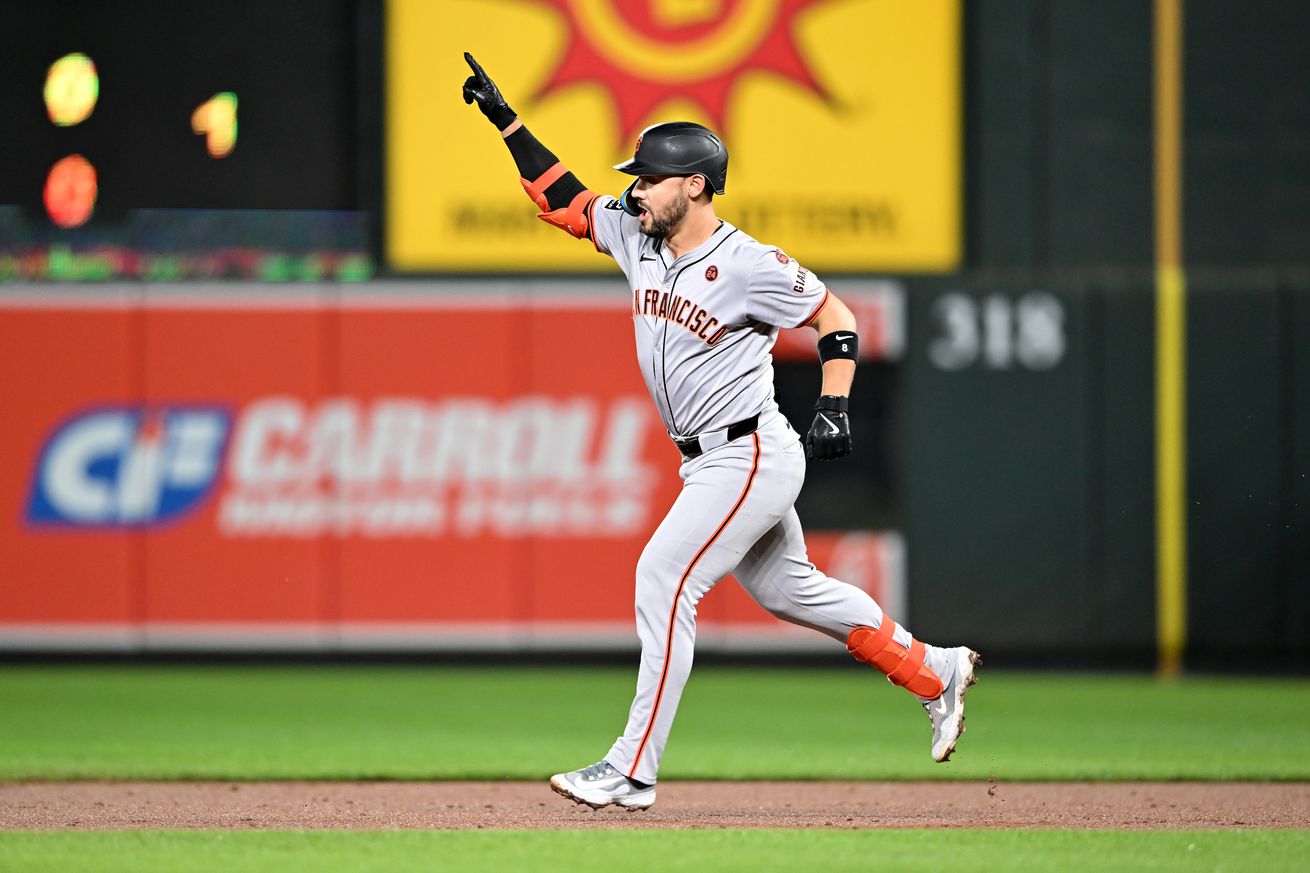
point(735, 514)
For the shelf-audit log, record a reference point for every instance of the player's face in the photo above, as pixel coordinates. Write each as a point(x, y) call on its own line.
point(663, 202)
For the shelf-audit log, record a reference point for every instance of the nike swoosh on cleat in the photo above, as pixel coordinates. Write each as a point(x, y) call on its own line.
point(940, 708)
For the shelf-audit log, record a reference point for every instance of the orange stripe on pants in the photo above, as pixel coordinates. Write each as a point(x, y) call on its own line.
point(673, 611)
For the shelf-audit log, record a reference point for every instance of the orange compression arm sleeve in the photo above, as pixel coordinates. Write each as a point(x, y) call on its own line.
point(562, 199)
point(570, 217)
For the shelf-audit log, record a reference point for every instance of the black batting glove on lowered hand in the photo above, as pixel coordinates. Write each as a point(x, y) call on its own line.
point(479, 87)
point(830, 434)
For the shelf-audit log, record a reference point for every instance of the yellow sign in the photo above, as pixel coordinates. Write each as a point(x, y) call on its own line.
point(841, 117)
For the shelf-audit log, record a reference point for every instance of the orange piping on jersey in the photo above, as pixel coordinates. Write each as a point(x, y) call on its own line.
point(591, 223)
point(571, 219)
point(673, 612)
point(817, 309)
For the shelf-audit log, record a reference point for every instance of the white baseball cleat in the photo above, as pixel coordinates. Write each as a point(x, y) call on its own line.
point(601, 785)
point(947, 711)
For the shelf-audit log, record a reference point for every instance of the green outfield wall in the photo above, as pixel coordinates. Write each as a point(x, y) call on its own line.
point(1029, 482)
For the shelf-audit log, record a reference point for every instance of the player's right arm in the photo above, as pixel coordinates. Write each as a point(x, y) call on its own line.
point(563, 200)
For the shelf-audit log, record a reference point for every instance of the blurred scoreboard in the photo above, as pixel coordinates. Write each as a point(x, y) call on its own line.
point(113, 107)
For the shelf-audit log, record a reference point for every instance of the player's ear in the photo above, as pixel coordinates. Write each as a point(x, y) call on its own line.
point(695, 186)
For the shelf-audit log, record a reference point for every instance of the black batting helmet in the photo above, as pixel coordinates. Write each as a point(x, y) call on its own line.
point(679, 148)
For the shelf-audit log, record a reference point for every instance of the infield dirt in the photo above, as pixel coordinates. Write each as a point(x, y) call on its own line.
point(532, 805)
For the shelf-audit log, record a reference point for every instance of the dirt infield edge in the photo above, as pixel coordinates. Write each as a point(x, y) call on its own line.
point(690, 805)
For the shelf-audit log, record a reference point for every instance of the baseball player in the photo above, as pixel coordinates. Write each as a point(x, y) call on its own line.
point(707, 303)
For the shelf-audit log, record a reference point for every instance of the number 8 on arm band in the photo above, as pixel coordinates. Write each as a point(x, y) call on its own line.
point(839, 344)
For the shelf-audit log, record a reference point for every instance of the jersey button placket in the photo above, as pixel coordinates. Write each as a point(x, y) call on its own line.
point(657, 367)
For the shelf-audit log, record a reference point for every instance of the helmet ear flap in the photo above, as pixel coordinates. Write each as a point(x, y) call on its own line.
point(625, 200)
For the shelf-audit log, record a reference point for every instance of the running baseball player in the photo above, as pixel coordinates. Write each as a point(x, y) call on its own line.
point(707, 303)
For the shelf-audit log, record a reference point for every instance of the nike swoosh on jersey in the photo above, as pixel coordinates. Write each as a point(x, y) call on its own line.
point(835, 428)
point(647, 258)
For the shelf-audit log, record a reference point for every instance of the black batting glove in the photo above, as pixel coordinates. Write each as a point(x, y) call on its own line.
point(830, 434)
point(479, 87)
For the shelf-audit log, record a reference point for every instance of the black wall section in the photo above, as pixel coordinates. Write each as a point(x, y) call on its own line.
point(1294, 488)
point(1247, 163)
point(1121, 386)
point(1233, 465)
point(1029, 491)
point(1058, 133)
point(1249, 529)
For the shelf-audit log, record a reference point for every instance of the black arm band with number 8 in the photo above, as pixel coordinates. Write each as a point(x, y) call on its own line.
point(839, 344)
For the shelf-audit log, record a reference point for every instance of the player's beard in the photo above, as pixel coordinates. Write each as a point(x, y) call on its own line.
point(663, 225)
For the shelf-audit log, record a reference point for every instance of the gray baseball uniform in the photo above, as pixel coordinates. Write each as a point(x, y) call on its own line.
point(705, 323)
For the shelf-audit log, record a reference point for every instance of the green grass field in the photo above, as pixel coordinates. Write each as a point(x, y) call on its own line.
point(605, 851)
point(127, 722)
point(490, 723)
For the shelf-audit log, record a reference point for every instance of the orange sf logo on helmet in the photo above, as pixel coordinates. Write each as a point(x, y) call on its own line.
point(637, 147)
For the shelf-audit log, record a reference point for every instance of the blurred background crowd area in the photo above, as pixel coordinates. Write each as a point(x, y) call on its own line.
point(251, 254)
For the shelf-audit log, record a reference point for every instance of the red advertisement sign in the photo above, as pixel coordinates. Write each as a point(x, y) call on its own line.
point(365, 471)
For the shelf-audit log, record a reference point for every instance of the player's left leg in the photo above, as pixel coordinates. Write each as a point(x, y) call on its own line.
point(778, 574)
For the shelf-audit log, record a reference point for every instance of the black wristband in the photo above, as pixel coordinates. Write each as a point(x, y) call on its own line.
point(501, 116)
point(839, 344)
point(832, 403)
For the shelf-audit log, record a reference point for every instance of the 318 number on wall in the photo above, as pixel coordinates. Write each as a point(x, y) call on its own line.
point(997, 332)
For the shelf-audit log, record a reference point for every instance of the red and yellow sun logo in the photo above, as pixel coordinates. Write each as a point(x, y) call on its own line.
point(645, 52)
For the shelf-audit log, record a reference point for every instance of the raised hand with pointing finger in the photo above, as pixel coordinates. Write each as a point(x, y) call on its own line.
point(479, 87)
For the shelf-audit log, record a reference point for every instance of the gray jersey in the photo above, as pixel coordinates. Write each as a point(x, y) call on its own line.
point(706, 321)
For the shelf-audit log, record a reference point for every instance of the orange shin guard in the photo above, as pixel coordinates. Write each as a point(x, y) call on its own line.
point(903, 667)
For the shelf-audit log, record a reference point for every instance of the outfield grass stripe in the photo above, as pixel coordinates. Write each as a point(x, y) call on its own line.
point(422, 723)
point(960, 851)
